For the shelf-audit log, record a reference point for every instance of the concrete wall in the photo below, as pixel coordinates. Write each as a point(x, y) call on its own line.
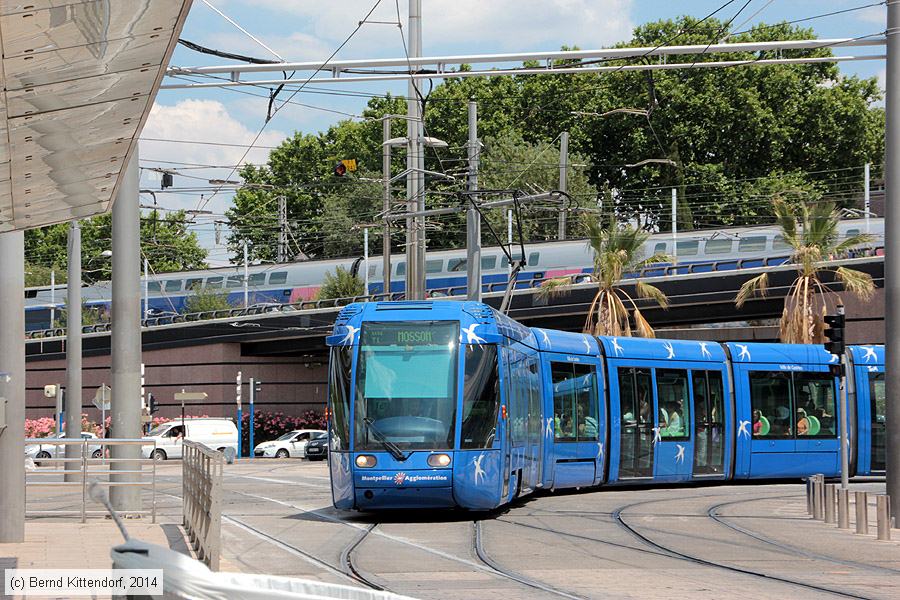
point(290, 385)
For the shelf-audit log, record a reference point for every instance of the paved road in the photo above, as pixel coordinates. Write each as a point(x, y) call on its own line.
point(735, 541)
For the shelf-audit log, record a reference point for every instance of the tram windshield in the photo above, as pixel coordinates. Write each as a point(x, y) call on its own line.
point(406, 388)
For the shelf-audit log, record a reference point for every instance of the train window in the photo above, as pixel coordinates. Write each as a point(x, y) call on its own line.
point(488, 263)
point(456, 265)
point(481, 397)
point(718, 246)
point(851, 233)
point(257, 279)
point(235, 281)
point(660, 248)
point(434, 266)
point(688, 248)
point(779, 244)
point(877, 406)
point(770, 401)
point(173, 285)
point(534, 258)
point(214, 283)
point(154, 286)
point(755, 243)
point(674, 405)
point(193, 284)
point(401, 268)
point(574, 402)
point(814, 413)
point(372, 270)
point(278, 278)
point(339, 396)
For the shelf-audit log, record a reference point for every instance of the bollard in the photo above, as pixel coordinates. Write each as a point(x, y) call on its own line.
point(829, 503)
point(862, 513)
point(818, 498)
point(809, 496)
point(843, 508)
point(883, 512)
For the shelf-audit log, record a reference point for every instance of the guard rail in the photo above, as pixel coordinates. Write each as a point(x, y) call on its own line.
point(202, 494)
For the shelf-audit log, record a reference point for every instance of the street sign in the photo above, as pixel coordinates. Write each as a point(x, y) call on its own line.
point(190, 396)
point(102, 397)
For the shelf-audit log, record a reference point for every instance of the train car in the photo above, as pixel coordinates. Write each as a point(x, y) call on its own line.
point(437, 404)
point(703, 250)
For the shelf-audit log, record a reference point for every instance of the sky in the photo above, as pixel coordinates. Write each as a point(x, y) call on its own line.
point(228, 120)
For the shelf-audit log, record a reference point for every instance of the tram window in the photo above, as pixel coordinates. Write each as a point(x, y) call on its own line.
point(434, 266)
point(672, 396)
point(770, 401)
point(488, 263)
point(779, 244)
point(574, 402)
point(154, 286)
point(814, 412)
point(339, 396)
point(877, 406)
point(257, 279)
point(456, 265)
point(481, 397)
point(688, 248)
point(193, 284)
point(719, 246)
point(173, 285)
point(755, 243)
point(214, 283)
point(278, 278)
point(401, 268)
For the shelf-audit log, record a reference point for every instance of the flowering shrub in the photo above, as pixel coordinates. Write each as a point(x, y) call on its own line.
point(43, 427)
point(46, 426)
point(269, 426)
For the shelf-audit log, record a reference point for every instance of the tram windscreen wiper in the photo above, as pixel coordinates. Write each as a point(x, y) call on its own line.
point(388, 445)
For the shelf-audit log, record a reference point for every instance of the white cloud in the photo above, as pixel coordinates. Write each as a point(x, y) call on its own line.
point(874, 14)
point(454, 25)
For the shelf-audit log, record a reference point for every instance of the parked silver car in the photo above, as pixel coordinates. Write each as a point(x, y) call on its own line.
point(48, 449)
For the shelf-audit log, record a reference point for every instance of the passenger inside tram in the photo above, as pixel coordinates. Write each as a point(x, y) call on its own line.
point(802, 422)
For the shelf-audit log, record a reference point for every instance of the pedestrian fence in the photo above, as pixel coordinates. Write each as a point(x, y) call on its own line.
point(830, 503)
point(91, 465)
point(202, 498)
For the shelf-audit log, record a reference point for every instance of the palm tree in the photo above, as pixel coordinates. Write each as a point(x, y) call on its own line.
point(813, 235)
point(617, 251)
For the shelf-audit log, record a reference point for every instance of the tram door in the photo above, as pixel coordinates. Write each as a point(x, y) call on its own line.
point(636, 418)
point(877, 407)
point(709, 422)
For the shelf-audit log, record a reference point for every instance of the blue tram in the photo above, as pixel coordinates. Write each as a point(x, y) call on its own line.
point(440, 404)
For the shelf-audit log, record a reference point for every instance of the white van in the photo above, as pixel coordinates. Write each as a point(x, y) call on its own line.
point(218, 434)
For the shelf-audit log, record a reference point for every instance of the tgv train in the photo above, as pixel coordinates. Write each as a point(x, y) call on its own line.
point(292, 282)
point(443, 404)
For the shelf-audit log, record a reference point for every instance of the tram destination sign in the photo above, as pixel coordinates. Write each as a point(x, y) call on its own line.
point(420, 333)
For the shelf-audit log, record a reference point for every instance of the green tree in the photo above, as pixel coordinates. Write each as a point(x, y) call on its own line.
point(166, 241)
point(203, 300)
point(341, 284)
point(812, 232)
point(617, 251)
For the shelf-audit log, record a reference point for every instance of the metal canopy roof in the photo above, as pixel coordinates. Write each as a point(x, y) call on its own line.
point(79, 78)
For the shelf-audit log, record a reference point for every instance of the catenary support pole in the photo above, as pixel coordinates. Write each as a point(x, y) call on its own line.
point(366, 258)
point(891, 249)
point(146, 289)
point(842, 398)
point(509, 233)
point(414, 147)
point(563, 179)
point(473, 218)
point(52, 299)
point(126, 338)
point(867, 196)
point(246, 277)
point(12, 386)
point(73, 350)
point(386, 205)
point(675, 224)
point(281, 255)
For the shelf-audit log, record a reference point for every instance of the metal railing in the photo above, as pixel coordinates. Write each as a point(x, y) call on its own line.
point(92, 465)
point(202, 494)
point(457, 291)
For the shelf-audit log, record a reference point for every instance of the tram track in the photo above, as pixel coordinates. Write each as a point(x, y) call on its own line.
point(675, 553)
point(485, 558)
point(712, 513)
point(353, 571)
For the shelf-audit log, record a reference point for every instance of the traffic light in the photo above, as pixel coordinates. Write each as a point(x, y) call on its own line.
point(340, 169)
point(152, 406)
point(835, 332)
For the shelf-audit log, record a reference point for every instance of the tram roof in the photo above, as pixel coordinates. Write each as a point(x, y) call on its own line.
point(80, 77)
point(867, 355)
point(788, 354)
point(662, 349)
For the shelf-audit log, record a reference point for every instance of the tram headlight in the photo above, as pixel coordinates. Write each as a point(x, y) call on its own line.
point(439, 460)
point(365, 461)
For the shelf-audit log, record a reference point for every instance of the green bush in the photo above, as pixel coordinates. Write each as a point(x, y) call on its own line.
point(342, 284)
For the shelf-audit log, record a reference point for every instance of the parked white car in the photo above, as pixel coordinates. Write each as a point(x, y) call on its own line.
point(47, 450)
point(218, 434)
point(291, 444)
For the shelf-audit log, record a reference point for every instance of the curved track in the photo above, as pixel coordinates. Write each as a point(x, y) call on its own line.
point(617, 518)
point(351, 570)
